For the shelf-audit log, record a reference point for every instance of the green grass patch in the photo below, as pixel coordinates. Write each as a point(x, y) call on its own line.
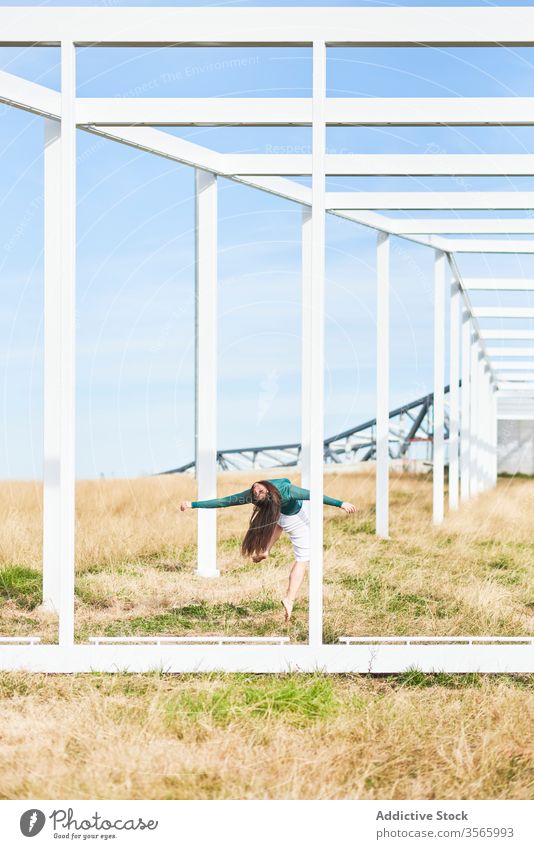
point(296, 699)
point(415, 677)
point(21, 585)
point(199, 618)
point(373, 592)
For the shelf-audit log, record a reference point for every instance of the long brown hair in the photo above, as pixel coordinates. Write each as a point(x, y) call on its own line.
point(262, 523)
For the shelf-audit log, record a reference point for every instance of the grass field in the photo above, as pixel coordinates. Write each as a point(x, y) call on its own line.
point(136, 556)
point(244, 736)
point(217, 736)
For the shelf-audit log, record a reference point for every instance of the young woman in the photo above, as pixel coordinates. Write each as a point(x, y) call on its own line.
point(277, 507)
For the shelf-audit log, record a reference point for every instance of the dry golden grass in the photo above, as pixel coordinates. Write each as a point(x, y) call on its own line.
point(135, 555)
point(219, 736)
point(295, 736)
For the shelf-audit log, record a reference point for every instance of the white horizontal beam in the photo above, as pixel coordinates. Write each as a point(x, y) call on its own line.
point(166, 145)
point(429, 200)
point(490, 284)
point(510, 352)
point(470, 226)
point(276, 161)
point(32, 97)
point(503, 312)
point(340, 111)
point(518, 377)
point(432, 164)
point(430, 111)
point(171, 147)
point(507, 334)
point(516, 387)
point(491, 246)
point(344, 26)
point(192, 111)
point(520, 365)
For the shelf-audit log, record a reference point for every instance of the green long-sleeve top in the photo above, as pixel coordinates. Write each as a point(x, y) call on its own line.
point(292, 498)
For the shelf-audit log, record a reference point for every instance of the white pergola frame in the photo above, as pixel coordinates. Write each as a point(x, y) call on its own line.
point(133, 121)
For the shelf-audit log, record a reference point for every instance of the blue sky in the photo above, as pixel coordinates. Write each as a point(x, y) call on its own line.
point(135, 286)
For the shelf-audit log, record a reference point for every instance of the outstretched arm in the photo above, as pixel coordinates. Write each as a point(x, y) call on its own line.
point(304, 495)
point(227, 501)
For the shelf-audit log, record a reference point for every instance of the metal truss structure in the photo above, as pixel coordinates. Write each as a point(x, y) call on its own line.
point(137, 122)
point(409, 425)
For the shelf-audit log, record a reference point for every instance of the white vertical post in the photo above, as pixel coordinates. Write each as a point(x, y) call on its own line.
point(382, 384)
point(52, 368)
point(488, 427)
point(465, 431)
point(494, 445)
point(454, 393)
point(306, 345)
point(206, 367)
point(439, 388)
point(66, 344)
point(480, 423)
point(474, 416)
point(316, 345)
point(484, 425)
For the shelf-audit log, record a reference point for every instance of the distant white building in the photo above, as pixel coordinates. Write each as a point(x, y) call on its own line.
point(515, 434)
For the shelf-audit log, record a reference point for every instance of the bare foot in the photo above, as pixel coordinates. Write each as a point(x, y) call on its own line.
point(287, 604)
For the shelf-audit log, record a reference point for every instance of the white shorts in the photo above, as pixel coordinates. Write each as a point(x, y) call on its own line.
point(298, 529)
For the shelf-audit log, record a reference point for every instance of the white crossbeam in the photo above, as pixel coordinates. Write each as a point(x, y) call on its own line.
point(340, 111)
point(464, 226)
point(519, 365)
point(39, 99)
point(192, 111)
point(503, 312)
point(342, 26)
point(430, 200)
point(510, 352)
point(430, 111)
point(509, 284)
point(508, 334)
point(488, 246)
point(166, 145)
point(379, 164)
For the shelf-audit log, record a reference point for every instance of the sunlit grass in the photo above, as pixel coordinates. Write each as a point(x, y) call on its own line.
point(245, 736)
point(136, 563)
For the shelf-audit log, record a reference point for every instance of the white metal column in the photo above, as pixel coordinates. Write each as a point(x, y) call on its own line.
point(489, 428)
point(484, 423)
point(306, 345)
point(382, 384)
point(480, 423)
point(494, 432)
point(316, 345)
point(66, 344)
point(474, 416)
point(465, 427)
point(52, 368)
point(438, 454)
point(206, 367)
point(454, 392)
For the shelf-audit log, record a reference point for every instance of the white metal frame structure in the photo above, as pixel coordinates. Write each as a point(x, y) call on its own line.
point(134, 121)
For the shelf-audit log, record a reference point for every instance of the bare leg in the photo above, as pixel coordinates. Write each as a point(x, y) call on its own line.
point(276, 535)
point(295, 580)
